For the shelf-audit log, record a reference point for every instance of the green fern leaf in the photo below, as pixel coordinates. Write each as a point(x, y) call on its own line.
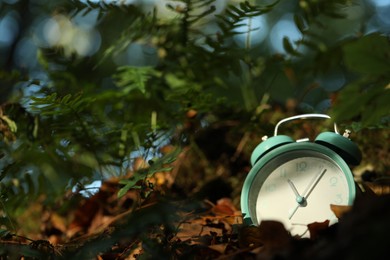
point(51, 105)
point(289, 48)
point(234, 16)
point(134, 78)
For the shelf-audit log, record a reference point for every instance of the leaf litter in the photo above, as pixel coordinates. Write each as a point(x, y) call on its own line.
point(154, 220)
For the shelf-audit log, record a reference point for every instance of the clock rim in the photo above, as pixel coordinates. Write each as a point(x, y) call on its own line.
point(306, 146)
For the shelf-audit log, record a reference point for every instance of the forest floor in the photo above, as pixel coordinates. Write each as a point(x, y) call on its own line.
point(192, 212)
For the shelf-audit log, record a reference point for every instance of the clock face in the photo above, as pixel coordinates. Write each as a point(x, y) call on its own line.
point(297, 187)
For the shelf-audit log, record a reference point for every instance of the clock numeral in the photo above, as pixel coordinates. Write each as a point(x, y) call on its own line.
point(283, 173)
point(333, 181)
point(338, 199)
point(301, 166)
point(270, 187)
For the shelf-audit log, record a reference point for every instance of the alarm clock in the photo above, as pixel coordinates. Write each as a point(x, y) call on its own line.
point(296, 181)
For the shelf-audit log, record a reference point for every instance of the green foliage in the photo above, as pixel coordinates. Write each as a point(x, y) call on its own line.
point(53, 106)
point(157, 219)
point(139, 179)
point(132, 78)
point(311, 22)
point(366, 100)
point(91, 115)
point(331, 8)
point(233, 16)
point(374, 49)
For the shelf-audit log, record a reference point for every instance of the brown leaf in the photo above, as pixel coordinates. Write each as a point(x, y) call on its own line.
point(58, 222)
point(220, 248)
point(377, 188)
point(85, 213)
point(224, 207)
point(316, 227)
point(271, 235)
point(166, 149)
point(83, 216)
point(194, 231)
point(340, 210)
point(189, 230)
point(98, 221)
point(139, 164)
point(225, 211)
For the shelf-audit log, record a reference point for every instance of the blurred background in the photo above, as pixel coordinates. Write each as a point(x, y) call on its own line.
point(85, 30)
point(102, 92)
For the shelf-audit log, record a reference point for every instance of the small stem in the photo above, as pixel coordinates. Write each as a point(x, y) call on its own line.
point(248, 36)
point(7, 215)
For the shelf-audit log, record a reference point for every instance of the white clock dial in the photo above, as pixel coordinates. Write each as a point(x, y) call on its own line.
point(299, 192)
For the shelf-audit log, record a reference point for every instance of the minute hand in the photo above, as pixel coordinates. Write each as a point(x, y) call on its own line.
point(312, 184)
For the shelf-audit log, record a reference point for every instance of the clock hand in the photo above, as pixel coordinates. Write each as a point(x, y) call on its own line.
point(313, 183)
point(298, 198)
point(294, 210)
point(302, 202)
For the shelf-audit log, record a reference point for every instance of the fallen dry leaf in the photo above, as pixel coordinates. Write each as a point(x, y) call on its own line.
point(140, 164)
point(58, 222)
point(192, 230)
point(377, 188)
point(340, 210)
point(220, 248)
point(225, 207)
point(271, 235)
point(316, 228)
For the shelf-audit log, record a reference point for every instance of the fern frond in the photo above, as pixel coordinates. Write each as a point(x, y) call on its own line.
point(131, 78)
point(195, 18)
point(234, 16)
point(53, 105)
point(312, 13)
point(103, 7)
point(331, 8)
point(141, 26)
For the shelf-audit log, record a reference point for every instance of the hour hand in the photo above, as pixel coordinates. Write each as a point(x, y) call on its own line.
point(298, 197)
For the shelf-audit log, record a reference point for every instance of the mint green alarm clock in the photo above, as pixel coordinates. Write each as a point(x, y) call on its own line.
point(295, 182)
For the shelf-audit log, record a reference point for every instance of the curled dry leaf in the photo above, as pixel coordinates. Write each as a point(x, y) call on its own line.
point(340, 210)
point(271, 235)
point(166, 149)
point(193, 231)
point(220, 248)
point(191, 113)
point(139, 164)
point(377, 188)
point(225, 207)
point(316, 228)
point(226, 212)
point(58, 222)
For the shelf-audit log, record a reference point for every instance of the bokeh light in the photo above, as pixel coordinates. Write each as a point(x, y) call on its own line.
point(285, 27)
point(79, 34)
point(9, 1)
point(354, 11)
point(383, 11)
point(9, 29)
point(25, 54)
point(332, 81)
point(60, 31)
point(252, 31)
point(381, 18)
point(135, 55)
